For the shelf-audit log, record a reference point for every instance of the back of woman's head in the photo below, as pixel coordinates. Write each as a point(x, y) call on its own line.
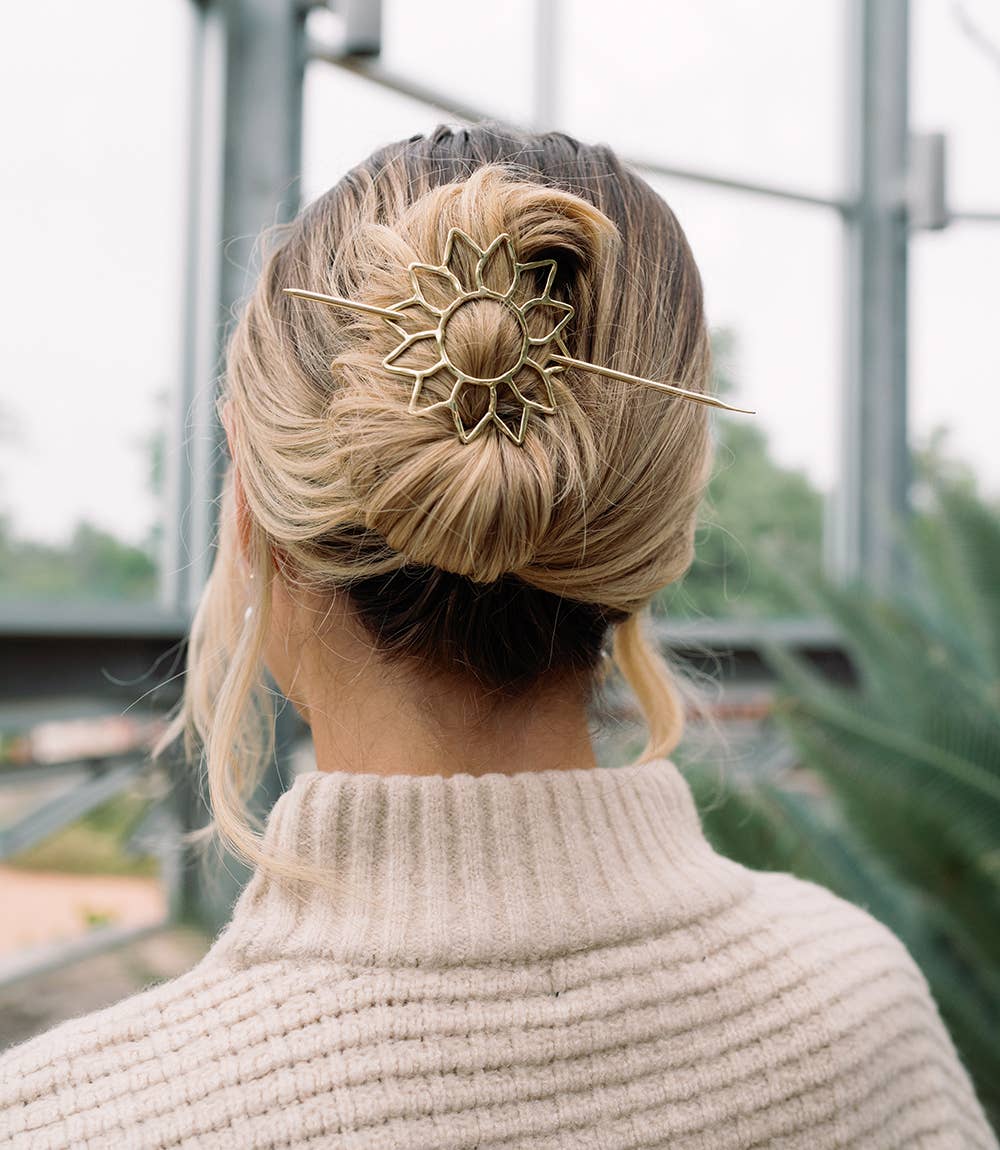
point(502, 562)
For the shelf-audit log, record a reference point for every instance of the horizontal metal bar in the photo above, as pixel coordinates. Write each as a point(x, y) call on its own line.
point(413, 90)
point(66, 808)
point(84, 617)
point(44, 960)
point(746, 634)
point(772, 191)
point(708, 633)
point(17, 774)
point(18, 715)
point(974, 217)
point(401, 85)
point(742, 634)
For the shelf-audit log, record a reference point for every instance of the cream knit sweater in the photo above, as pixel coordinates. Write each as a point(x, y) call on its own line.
point(541, 959)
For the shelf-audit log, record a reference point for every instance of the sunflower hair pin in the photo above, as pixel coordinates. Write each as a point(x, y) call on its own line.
point(439, 293)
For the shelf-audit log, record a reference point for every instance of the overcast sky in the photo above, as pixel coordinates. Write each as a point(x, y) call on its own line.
point(94, 168)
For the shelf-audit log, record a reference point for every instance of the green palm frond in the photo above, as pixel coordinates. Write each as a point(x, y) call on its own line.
point(893, 797)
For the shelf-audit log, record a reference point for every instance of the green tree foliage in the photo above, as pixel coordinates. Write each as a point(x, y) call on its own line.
point(93, 565)
point(758, 519)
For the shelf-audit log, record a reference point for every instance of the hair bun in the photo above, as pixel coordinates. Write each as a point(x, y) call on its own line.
point(480, 508)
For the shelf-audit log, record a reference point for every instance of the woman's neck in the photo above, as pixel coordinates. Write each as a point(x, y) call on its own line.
point(392, 730)
point(371, 715)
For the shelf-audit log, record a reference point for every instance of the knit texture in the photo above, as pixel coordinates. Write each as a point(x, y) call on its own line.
point(538, 959)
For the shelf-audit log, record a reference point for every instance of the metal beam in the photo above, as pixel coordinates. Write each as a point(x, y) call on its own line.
point(196, 417)
point(460, 110)
point(248, 160)
point(872, 497)
point(751, 187)
point(24, 965)
point(546, 65)
point(70, 805)
point(983, 217)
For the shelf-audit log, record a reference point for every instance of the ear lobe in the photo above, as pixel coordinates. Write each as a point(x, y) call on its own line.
point(244, 516)
point(245, 526)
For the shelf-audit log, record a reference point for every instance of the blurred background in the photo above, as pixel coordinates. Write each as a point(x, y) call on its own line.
point(836, 168)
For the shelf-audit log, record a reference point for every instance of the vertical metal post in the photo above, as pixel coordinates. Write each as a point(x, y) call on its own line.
point(247, 177)
point(180, 460)
point(546, 65)
point(872, 500)
point(204, 269)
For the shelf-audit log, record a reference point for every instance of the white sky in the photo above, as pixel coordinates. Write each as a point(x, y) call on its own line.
point(93, 176)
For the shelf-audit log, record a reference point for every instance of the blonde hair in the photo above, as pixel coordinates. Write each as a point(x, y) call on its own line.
point(580, 526)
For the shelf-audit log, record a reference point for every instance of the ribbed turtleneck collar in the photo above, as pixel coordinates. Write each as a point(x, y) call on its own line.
point(446, 870)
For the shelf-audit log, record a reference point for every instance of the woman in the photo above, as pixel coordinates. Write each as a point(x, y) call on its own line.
point(461, 931)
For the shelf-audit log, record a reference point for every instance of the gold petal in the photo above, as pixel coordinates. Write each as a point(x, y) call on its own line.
point(546, 319)
point(464, 433)
point(542, 353)
point(533, 388)
point(547, 268)
point(414, 317)
point(462, 258)
point(516, 436)
point(435, 287)
point(418, 354)
point(440, 381)
point(498, 266)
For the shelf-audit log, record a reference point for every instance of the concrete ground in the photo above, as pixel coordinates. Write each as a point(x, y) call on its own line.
point(32, 1005)
point(41, 908)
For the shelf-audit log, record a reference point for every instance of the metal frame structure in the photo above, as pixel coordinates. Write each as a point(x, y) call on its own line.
point(248, 63)
point(876, 221)
point(103, 779)
point(249, 58)
point(874, 471)
point(246, 110)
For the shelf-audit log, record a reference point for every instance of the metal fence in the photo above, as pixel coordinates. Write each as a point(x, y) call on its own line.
point(245, 145)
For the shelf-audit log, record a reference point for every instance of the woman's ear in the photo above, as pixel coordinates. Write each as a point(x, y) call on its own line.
point(244, 520)
point(244, 517)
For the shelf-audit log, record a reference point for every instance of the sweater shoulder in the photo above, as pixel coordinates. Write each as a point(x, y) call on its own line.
point(131, 1017)
point(873, 1011)
point(794, 896)
point(834, 928)
point(797, 1012)
point(97, 1059)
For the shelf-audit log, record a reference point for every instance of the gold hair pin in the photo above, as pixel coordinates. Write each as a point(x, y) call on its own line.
point(439, 292)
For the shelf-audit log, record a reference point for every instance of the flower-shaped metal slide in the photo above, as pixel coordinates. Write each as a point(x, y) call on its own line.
point(533, 333)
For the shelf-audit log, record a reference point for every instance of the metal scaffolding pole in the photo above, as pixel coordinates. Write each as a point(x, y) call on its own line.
point(246, 158)
point(872, 499)
point(546, 65)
